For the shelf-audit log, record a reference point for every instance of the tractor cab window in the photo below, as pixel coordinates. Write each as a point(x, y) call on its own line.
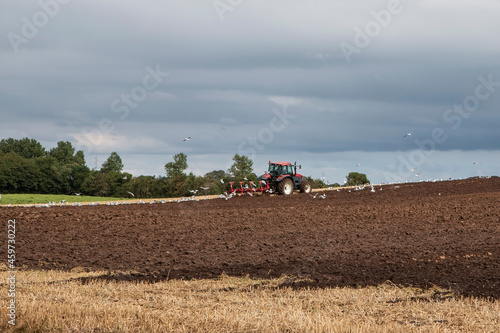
point(274, 170)
point(288, 170)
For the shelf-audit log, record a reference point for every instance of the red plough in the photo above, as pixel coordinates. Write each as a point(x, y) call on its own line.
point(264, 187)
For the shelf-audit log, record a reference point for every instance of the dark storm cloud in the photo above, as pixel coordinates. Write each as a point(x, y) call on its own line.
point(63, 83)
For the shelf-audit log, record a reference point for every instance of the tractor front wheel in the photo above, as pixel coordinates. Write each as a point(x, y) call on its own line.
point(305, 186)
point(286, 187)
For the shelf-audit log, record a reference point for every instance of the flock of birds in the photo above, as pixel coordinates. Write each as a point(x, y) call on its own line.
point(224, 196)
point(360, 188)
point(108, 203)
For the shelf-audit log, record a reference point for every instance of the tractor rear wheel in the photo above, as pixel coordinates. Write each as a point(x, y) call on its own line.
point(305, 186)
point(286, 187)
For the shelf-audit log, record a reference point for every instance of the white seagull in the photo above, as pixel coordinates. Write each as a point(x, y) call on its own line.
point(132, 194)
point(187, 139)
point(408, 134)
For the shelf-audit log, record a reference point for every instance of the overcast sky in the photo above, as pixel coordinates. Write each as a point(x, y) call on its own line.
point(329, 84)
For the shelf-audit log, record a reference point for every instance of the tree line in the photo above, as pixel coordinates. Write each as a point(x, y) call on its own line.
point(27, 167)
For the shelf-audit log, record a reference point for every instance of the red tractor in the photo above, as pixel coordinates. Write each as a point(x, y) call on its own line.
point(282, 177)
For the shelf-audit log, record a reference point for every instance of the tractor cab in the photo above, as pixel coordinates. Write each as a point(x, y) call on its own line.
point(280, 168)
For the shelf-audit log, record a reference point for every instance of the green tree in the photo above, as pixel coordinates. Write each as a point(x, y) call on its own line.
point(78, 175)
point(177, 167)
point(8, 164)
point(64, 152)
point(242, 168)
point(115, 182)
point(140, 186)
point(216, 174)
point(194, 183)
point(177, 186)
point(79, 158)
point(148, 187)
point(112, 164)
point(356, 178)
point(60, 175)
point(19, 174)
point(26, 167)
point(95, 184)
point(27, 148)
point(212, 180)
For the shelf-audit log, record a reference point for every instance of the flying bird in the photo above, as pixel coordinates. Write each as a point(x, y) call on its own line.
point(408, 134)
point(476, 163)
point(358, 164)
point(132, 194)
point(187, 139)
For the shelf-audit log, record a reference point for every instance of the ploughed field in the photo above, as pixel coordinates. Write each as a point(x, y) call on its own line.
point(444, 234)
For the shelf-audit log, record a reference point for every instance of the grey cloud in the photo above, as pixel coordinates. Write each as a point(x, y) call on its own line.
point(222, 73)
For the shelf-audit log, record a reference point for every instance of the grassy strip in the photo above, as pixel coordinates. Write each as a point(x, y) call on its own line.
point(55, 301)
point(24, 199)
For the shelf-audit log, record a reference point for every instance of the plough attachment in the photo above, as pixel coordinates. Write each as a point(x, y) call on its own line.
point(245, 188)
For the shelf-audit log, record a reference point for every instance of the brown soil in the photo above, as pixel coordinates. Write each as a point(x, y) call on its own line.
point(445, 234)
